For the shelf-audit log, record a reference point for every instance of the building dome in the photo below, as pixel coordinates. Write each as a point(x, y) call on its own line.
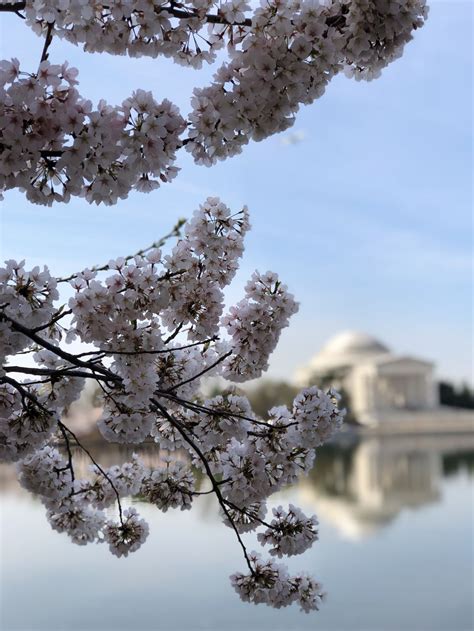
point(353, 343)
point(343, 351)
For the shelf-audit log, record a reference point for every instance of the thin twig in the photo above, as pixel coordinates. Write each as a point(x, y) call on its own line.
point(249, 513)
point(69, 452)
point(175, 232)
point(201, 373)
point(26, 394)
point(97, 465)
point(196, 407)
point(144, 352)
point(47, 42)
point(174, 334)
point(52, 321)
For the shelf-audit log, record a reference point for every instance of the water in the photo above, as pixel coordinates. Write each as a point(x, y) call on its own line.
point(395, 553)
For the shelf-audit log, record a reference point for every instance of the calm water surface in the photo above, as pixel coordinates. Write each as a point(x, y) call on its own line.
point(395, 553)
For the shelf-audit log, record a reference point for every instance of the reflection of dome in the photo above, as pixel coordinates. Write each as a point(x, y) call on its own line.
point(346, 349)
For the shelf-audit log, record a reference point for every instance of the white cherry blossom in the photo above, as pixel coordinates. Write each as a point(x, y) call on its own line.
point(152, 333)
point(280, 55)
point(153, 325)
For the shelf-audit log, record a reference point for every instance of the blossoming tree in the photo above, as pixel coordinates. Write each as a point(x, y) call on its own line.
point(152, 325)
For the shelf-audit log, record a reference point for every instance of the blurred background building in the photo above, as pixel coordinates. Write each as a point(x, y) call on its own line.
point(377, 381)
point(382, 388)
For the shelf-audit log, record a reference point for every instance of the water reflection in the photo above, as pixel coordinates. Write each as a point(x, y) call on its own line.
point(396, 528)
point(362, 487)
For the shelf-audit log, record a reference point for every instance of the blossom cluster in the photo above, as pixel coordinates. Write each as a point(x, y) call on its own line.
point(289, 532)
point(130, 315)
point(370, 33)
point(270, 583)
point(127, 536)
point(30, 296)
point(288, 57)
point(55, 145)
point(153, 326)
point(124, 480)
point(264, 457)
point(255, 324)
point(202, 265)
point(171, 486)
point(137, 27)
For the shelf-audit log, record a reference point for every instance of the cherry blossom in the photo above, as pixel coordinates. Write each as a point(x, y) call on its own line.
point(54, 144)
point(126, 536)
point(152, 327)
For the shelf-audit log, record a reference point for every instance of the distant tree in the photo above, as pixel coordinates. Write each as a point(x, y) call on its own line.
point(458, 397)
point(335, 379)
point(269, 394)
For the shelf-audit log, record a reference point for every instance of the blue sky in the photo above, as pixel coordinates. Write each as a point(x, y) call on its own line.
point(368, 218)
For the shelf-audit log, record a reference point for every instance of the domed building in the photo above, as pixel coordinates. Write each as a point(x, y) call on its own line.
point(380, 385)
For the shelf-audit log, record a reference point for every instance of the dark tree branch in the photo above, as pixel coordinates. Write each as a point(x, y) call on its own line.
point(16, 326)
point(245, 511)
point(15, 7)
point(54, 372)
point(47, 42)
point(26, 394)
point(200, 374)
point(210, 475)
point(174, 334)
point(210, 18)
point(96, 464)
point(162, 351)
point(202, 409)
point(56, 318)
point(12, 7)
point(69, 452)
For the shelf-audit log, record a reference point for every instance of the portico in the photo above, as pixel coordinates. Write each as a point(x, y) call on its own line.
point(393, 383)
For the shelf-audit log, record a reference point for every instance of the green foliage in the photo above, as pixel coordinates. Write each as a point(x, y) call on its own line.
point(268, 394)
point(462, 397)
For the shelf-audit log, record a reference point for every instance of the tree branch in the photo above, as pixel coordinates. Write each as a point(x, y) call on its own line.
point(47, 42)
point(196, 407)
point(53, 372)
point(175, 232)
point(69, 452)
point(12, 7)
point(96, 464)
point(210, 475)
point(16, 326)
point(144, 352)
point(210, 18)
point(56, 318)
point(200, 374)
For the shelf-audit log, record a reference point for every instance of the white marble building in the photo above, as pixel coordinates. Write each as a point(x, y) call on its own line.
point(381, 385)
